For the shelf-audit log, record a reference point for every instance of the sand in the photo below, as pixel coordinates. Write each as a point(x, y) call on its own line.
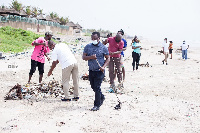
point(159, 98)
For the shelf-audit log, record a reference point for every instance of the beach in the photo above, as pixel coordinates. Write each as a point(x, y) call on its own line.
point(157, 99)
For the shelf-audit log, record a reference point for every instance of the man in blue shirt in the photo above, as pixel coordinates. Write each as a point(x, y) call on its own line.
point(94, 53)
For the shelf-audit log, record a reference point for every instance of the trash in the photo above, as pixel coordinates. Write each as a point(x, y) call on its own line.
point(33, 91)
point(85, 77)
point(14, 93)
point(144, 65)
point(118, 106)
point(60, 124)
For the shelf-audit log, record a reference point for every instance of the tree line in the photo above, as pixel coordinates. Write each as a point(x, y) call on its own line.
point(35, 12)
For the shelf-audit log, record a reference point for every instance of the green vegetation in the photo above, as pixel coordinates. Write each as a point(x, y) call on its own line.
point(87, 34)
point(15, 40)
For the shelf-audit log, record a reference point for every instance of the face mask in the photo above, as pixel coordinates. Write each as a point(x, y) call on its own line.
point(94, 42)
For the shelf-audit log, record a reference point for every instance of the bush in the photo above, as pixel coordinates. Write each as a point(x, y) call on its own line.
point(15, 40)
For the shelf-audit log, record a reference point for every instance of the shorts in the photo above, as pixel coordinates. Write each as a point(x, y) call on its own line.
point(35, 64)
point(122, 61)
point(170, 51)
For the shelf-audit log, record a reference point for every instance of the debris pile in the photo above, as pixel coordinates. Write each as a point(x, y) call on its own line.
point(34, 91)
point(14, 93)
point(85, 76)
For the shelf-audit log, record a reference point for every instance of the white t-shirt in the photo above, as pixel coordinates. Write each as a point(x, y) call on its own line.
point(184, 46)
point(166, 46)
point(62, 53)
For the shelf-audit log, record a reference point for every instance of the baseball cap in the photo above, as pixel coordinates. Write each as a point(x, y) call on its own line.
point(48, 33)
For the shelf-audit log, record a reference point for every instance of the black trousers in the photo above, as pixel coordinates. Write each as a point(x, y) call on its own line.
point(35, 64)
point(136, 59)
point(96, 78)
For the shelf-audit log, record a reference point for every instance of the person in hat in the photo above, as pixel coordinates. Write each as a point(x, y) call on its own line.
point(184, 49)
point(37, 59)
point(170, 48)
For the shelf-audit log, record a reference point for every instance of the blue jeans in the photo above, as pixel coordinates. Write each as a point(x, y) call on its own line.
point(96, 78)
point(184, 54)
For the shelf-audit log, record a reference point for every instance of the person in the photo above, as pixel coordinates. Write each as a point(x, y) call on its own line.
point(121, 32)
point(165, 51)
point(184, 49)
point(94, 53)
point(62, 54)
point(136, 52)
point(170, 48)
point(115, 48)
point(37, 59)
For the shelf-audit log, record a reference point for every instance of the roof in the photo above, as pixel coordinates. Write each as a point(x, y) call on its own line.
point(71, 24)
point(40, 17)
point(22, 13)
point(78, 26)
point(2, 10)
point(48, 18)
point(12, 12)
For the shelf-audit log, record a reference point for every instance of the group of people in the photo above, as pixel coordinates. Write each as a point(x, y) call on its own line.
point(168, 48)
point(96, 53)
point(109, 53)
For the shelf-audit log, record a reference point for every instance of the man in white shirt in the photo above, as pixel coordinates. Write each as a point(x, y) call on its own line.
point(165, 50)
point(184, 49)
point(61, 53)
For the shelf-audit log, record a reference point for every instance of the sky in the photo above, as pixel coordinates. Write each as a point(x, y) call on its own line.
point(154, 19)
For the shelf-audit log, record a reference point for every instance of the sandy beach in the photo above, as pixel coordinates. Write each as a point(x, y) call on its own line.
point(157, 99)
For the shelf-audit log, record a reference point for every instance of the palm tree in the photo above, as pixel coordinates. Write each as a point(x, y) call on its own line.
point(67, 19)
point(16, 5)
point(28, 10)
point(52, 15)
point(40, 11)
point(35, 12)
point(62, 21)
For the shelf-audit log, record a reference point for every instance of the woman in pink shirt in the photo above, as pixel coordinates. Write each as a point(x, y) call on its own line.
point(37, 59)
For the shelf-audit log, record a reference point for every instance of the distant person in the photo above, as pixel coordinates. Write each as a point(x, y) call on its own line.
point(165, 51)
point(37, 59)
point(95, 53)
point(170, 48)
point(62, 54)
point(136, 52)
point(121, 32)
point(184, 49)
point(115, 48)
